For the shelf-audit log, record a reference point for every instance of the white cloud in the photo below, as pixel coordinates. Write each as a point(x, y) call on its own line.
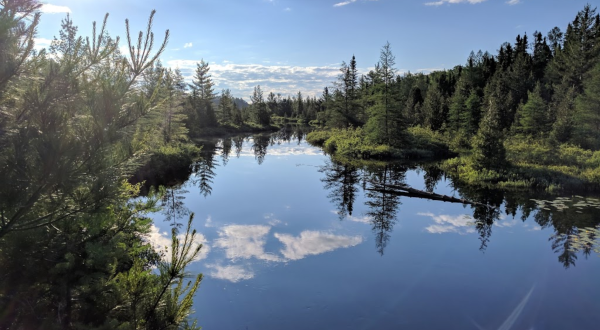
point(508, 224)
point(313, 243)
point(513, 2)
point(232, 273)
point(364, 219)
point(208, 222)
point(188, 45)
point(242, 78)
point(441, 2)
point(288, 9)
point(161, 241)
point(429, 70)
point(245, 242)
point(124, 50)
point(340, 4)
point(54, 9)
point(41, 43)
point(462, 224)
point(271, 220)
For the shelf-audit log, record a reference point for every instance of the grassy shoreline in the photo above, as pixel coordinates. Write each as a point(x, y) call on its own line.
point(531, 164)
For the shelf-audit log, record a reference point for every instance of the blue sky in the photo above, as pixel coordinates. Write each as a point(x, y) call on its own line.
point(291, 45)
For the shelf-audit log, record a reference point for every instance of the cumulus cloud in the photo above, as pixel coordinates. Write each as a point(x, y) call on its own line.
point(444, 223)
point(441, 2)
point(242, 78)
point(161, 242)
point(54, 9)
point(188, 45)
point(41, 43)
point(232, 273)
point(245, 242)
point(313, 243)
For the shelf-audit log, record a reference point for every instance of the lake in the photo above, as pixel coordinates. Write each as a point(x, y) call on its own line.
point(295, 240)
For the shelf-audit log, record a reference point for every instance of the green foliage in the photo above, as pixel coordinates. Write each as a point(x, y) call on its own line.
point(426, 143)
point(319, 137)
point(587, 111)
point(72, 126)
point(200, 109)
point(488, 148)
point(534, 114)
point(260, 111)
point(169, 163)
point(351, 143)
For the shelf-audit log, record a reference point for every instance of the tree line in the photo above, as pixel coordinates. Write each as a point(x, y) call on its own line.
point(541, 87)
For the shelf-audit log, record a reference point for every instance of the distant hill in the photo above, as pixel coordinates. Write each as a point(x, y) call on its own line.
point(238, 101)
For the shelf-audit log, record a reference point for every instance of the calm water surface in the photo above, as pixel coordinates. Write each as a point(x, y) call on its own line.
point(293, 240)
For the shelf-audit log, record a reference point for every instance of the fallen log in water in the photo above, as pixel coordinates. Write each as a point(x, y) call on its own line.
point(404, 190)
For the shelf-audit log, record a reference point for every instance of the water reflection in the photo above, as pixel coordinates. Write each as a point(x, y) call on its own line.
point(445, 223)
point(374, 182)
point(231, 273)
point(313, 243)
point(342, 180)
point(204, 169)
point(574, 221)
point(383, 202)
point(260, 143)
point(245, 242)
point(173, 205)
point(278, 235)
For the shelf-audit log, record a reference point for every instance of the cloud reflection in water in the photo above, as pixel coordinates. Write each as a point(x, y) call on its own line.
point(445, 223)
point(249, 241)
point(245, 242)
point(313, 243)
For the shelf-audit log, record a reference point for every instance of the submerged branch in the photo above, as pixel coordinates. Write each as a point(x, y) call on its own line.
point(404, 190)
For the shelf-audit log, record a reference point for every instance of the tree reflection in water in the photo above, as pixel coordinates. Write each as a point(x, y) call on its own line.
point(576, 228)
point(173, 205)
point(342, 181)
point(382, 202)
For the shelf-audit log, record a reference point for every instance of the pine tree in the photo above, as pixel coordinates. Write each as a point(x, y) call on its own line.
point(259, 108)
point(385, 124)
point(488, 147)
point(579, 53)
point(587, 111)
point(434, 109)
point(201, 99)
point(299, 111)
point(473, 113)
point(457, 114)
point(564, 125)
point(226, 106)
point(173, 111)
point(534, 114)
